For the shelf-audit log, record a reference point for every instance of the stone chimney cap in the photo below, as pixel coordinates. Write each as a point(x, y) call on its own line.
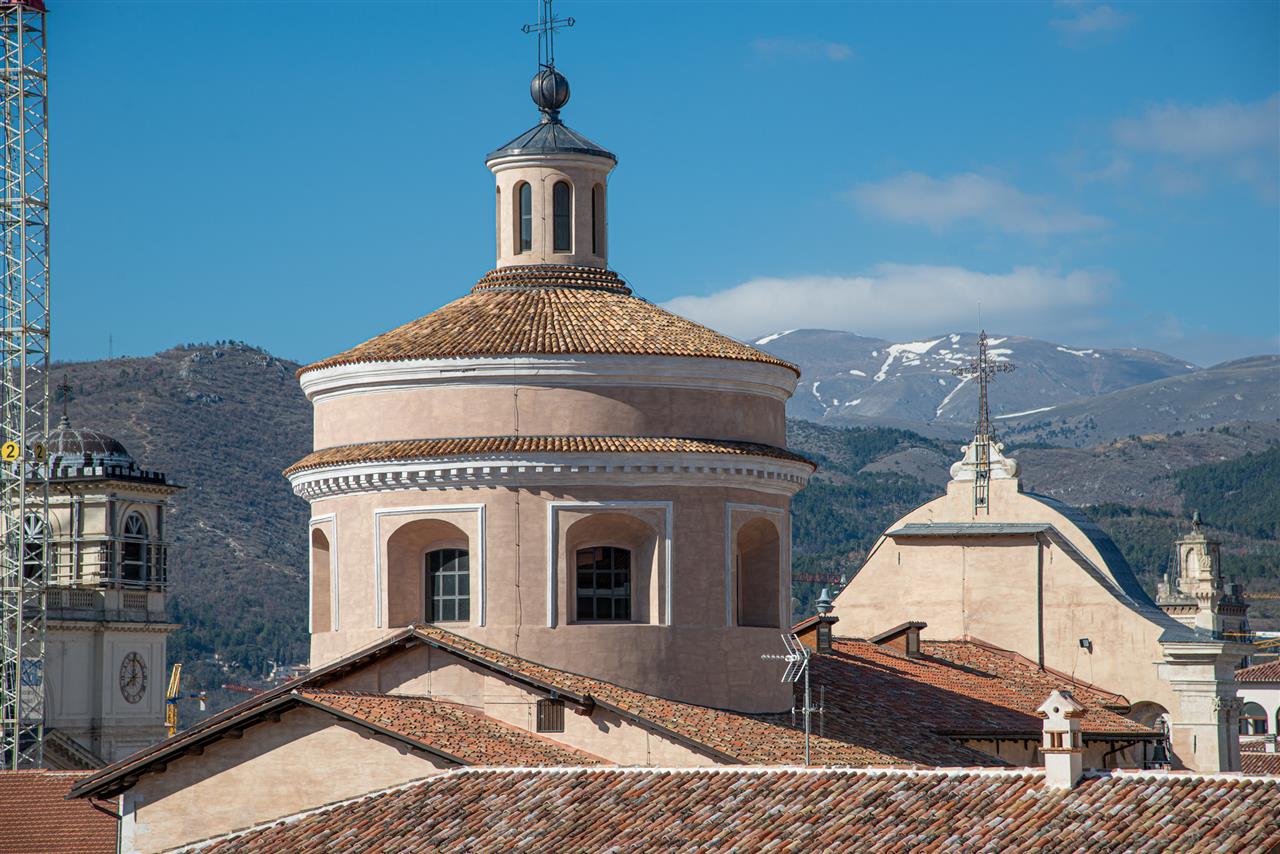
point(1061, 705)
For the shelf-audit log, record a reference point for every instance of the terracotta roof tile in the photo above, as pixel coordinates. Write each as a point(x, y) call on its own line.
point(469, 735)
point(1254, 759)
point(547, 310)
point(749, 739)
point(423, 449)
point(1266, 672)
point(789, 809)
point(35, 816)
point(879, 698)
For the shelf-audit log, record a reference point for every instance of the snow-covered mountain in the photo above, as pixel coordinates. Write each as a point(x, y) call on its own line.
point(848, 378)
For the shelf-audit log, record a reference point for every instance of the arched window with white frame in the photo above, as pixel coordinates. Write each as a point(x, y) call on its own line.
point(134, 548)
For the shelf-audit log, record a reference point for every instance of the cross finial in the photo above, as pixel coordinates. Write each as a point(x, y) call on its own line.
point(546, 27)
point(983, 369)
point(64, 393)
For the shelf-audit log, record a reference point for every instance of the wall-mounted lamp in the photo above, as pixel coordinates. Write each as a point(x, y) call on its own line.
point(1087, 645)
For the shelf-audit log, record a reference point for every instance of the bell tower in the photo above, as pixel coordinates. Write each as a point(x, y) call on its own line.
point(1196, 594)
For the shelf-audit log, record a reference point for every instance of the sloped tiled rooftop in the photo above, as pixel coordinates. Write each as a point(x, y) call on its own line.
point(36, 816)
point(548, 310)
point(472, 737)
point(1268, 671)
point(791, 810)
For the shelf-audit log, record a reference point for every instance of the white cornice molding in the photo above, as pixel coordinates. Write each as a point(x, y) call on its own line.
point(783, 477)
point(576, 371)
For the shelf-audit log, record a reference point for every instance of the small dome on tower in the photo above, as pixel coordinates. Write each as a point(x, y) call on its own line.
point(80, 443)
point(549, 90)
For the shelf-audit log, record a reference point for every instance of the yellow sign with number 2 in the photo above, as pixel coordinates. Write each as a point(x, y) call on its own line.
point(9, 451)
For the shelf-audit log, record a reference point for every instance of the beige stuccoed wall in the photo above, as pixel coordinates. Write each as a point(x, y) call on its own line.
point(696, 658)
point(306, 759)
point(502, 410)
point(987, 589)
point(422, 671)
point(542, 173)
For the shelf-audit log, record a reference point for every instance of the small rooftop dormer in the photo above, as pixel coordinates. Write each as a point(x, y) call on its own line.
point(905, 638)
point(551, 180)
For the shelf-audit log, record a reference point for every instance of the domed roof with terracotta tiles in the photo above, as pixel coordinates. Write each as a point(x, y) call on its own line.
point(548, 310)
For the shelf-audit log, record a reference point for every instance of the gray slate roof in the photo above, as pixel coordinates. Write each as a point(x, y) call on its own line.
point(550, 137)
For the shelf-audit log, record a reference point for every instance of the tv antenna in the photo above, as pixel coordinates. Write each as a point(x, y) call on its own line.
point(797, 659)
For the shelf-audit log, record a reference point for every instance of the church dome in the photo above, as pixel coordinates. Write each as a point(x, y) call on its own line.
point(549, 310)
point(74, 444)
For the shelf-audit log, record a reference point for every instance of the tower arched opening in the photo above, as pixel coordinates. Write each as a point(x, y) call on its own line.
point(758, 549)
point(428, 573)
point(612, 568)
point(133, 550)
point(321, 583)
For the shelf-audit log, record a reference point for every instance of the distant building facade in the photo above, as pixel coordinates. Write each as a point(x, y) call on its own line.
point(991, 562)
point(107, 629)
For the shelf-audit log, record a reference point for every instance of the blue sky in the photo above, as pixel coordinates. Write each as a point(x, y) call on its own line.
point(303, 176)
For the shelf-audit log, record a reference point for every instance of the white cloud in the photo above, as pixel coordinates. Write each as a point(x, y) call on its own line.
point(899, 301)
point(1091, 19)
point(779, 48)
point(1217, 130)
point(938, 203)
point(1193, 146)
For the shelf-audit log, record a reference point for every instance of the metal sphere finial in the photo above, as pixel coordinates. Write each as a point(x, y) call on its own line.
point(550, 91)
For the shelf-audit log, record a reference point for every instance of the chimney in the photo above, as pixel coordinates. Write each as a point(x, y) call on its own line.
point(1063, 745)
point(815, 632)
point(1269, 743)
point(905, 638)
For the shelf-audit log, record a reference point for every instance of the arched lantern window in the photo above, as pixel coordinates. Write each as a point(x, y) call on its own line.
point(524, 217)
point(562, 216)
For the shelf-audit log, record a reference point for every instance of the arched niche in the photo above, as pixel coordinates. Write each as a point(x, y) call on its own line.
point(758, 566)
point(321, 582)
point(1149, 714)
point(600, 536)
point(407, 550)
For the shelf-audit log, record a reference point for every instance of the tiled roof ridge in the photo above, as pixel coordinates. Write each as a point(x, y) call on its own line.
point(396, 450)
point(553, 276)
point(1266, 671)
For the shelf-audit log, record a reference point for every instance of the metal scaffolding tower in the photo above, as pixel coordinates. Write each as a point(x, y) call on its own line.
point(24, 380)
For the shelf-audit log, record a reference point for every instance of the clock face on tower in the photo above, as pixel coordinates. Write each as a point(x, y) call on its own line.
point(133, 678)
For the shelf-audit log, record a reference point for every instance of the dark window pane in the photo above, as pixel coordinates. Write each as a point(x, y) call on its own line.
point(603, 583)
point(562, 208)
point(526, 218)
point(449, 584)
